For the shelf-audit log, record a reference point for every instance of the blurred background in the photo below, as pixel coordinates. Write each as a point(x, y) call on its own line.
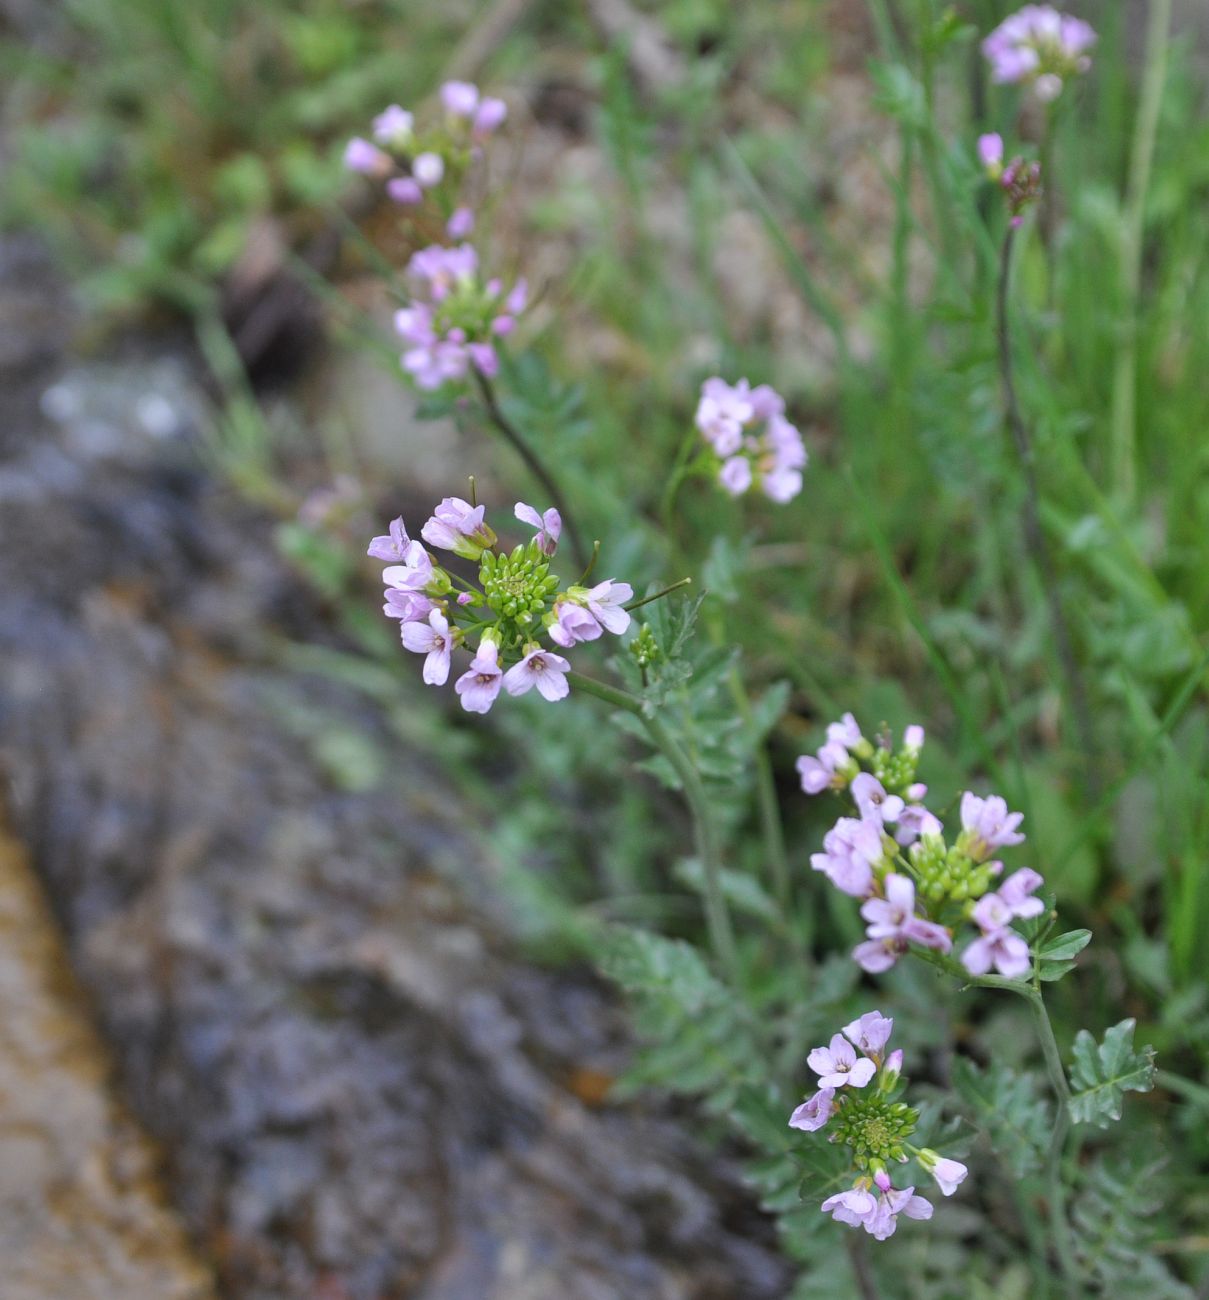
point(297, 995)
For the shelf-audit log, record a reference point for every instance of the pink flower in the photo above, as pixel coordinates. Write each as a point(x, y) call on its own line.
point(890, 1204)
point(549, 526)
point(1041, 46)
point(460, 98)
point(365, 158)
point(403, 189)
point(542, 669)
point(822, 771)
point(814, 1112)
point(480, 683)
point(845, 732)
point(913, 741)
point(458, 526)
point(987, 825)
point(872, 801)
point(414, 574)
point(489, 117)
point(572, 624)
point(735, 475)
point(393, 126)
point(406, 605)
point(851, 849)
point(1002, 949)
point(870, 1033)
point(393, 544)
point(1016, 890)
point(722, 412)
point(434, 640)
point(949, 1174)
point(443, 269)
point(990, 154)
point(893, 917)
point(915, 820)
point(428, 169)
point(460, 223)
point(853, 1207)
point(837, 1064)
point(878, 955)
point(606, 602)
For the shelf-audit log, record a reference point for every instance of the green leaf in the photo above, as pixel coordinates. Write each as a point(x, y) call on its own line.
point(1005, 1105)
point(1065, 946)
point(647, 963)
point(1114, 1216)
point(1102, 1074)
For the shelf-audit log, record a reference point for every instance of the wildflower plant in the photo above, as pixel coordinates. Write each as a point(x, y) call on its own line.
point(942, 888)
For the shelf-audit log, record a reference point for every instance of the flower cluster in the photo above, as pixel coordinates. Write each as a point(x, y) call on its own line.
point(1019, 180)
point(856, 1099)
point(914, 886)
point(501, 620)
point(1040, 47)
point(414, 162)
point(455, 316)
point(752, 440)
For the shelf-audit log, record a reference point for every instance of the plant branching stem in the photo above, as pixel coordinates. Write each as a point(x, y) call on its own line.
point(717, 915)
point(1034, 536)
point(533, 463)
point(1123, 430)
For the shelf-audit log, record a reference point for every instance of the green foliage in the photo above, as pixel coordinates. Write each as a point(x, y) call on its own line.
point(1055, 957)
point(701, 1040)
point(1006, 1106)
point(1113, 1221)
point(1102, 1073)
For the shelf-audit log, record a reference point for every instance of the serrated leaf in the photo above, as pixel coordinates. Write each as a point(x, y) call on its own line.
point(1065, 946)
point(1113, 1218)
point(1007, 1108)
point(647, 963)
point(1103, 1073)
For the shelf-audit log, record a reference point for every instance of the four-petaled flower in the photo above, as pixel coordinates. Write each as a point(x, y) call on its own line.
point(837, 1064)
point(542, 669)
point(480, 683)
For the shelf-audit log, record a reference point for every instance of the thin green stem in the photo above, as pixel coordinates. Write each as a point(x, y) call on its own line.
point(533, 462)
point(1034, 536)
point(717, 915)
point(1123, 431)
point(657, 595)
point(1059, 1224)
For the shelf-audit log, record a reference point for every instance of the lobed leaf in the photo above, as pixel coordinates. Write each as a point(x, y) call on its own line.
point(1102, 1074)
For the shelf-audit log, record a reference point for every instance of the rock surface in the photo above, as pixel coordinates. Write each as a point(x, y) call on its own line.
point(80, 1213)
point(361, 1092)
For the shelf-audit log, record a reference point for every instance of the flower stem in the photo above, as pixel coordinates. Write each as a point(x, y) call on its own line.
point(1123, 429)
point(1059, 1224)
point(1034, 537)
point(717, 915)
point(657, 595)
point(533, 463)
